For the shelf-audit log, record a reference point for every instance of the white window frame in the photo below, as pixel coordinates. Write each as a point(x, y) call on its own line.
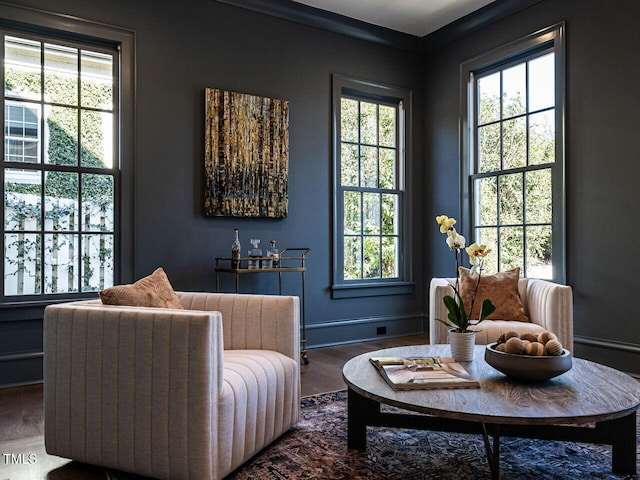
point(23, 106)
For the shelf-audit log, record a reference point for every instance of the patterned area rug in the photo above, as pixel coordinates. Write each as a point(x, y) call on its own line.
point(317, 449)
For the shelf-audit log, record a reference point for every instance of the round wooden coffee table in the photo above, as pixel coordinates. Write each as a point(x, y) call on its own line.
point(549, 410)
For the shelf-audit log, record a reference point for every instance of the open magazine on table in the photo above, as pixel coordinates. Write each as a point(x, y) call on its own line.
point(421, 373)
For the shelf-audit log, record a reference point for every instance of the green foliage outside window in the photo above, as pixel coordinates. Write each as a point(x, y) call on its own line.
point(513, 188)
point(368, 175)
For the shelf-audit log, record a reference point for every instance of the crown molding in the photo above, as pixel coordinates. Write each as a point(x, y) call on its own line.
point(474, 21)
point(333, 22)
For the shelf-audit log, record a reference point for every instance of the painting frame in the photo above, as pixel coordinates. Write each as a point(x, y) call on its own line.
point(246, 155)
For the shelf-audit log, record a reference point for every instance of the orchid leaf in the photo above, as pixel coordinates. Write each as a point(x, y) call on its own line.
point(487, 309)
point(454, 310)
point(448, 324)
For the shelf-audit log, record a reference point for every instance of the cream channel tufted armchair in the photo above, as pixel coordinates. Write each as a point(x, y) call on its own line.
point(548, 305)
point(167, 393)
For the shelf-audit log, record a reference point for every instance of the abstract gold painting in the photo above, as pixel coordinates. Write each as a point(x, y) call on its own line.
point(246, 155)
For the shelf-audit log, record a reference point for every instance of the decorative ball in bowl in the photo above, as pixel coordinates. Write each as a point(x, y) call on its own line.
point(530, 368)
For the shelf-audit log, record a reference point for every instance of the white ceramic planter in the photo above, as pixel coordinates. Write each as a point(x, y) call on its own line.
point(462, 345)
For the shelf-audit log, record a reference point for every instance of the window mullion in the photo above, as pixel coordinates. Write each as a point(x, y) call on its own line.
point(43, 174)
point(78, 235)
point(361, 194)
point(501, 120)
point(524, 225)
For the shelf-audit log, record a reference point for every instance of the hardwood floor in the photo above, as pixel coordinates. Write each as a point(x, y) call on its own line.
point(22, 452)
point(324, 372)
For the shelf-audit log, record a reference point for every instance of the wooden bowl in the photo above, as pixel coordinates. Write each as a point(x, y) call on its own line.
point(527, 367)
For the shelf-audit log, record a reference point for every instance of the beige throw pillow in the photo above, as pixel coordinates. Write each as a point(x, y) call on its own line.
point(501, 288)
point(152, 291)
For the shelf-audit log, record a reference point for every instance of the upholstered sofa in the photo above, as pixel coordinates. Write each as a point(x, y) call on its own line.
point(548, 305)
point(167, 393)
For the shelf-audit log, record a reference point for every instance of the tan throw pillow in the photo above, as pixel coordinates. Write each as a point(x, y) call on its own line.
point(501, 288)
point(152, 291)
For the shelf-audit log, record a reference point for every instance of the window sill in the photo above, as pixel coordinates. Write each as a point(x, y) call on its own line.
point(42, 302)
point(371, 289)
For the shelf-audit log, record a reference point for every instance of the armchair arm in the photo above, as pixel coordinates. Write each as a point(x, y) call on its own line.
point(267, 322)
point(438, 332)
point(123, 386)
point(551, 306)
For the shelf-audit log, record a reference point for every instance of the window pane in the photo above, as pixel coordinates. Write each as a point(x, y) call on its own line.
point(61, 136)
point(22, 132)
point(511, 208)
point(96, 71)
point(486, 192)
point(349, 120)
point(390, 257)
point(369, 167)
point(539, 202)
point(387, 168)
point(511, 248)
point(97, 262)
point(542, 83)
point(22, 77)
point(539, 252)
point(22, 199)
point(61, 201)
point(514, 143)
point(60, 74)
point(96, 139)
point(371, 260)
point(514, 90)
point(387, 126)
point(489, 148)
point(389, 214)
point(22, 151)
point(368, 123)
point(22, 119)
point(489, 99)
point(349, 165)
point(97, 203)
point(352, 212)
point(542, 134)
point(60, 260)
point(371, 213)
point(489, 237)
point(22, 262)
point(352, 258)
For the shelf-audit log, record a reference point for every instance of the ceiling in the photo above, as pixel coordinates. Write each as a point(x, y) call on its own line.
point(415, 17)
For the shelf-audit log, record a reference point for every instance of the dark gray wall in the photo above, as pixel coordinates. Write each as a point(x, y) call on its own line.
point(603, 103)
point(184, 47)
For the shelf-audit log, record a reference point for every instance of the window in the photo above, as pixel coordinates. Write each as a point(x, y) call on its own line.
point(60, 166)
point(369, 163)
point(514, 161)
point(23, 132)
